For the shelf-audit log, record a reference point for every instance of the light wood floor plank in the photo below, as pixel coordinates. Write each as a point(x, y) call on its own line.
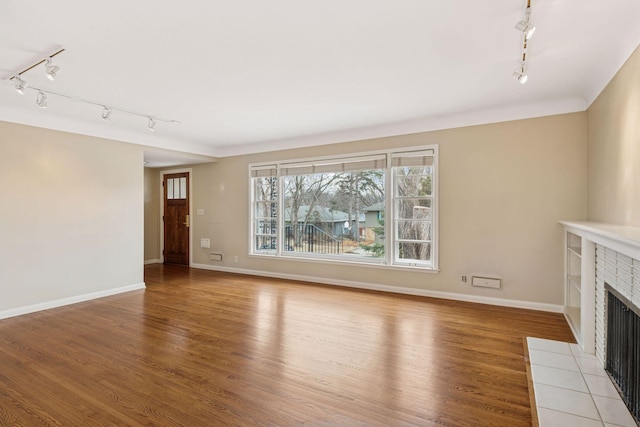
point(201, 348)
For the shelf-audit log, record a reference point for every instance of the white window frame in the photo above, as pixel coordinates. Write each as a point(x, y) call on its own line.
point(390, 257)
point(268, 170)
point(390, 193)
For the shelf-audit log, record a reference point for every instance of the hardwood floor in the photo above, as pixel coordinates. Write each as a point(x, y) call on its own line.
point(200, 348)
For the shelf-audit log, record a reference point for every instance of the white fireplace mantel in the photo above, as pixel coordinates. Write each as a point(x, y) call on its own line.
point(621, 239)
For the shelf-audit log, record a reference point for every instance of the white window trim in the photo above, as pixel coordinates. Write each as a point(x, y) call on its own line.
point(390, 224)
point(387, 261)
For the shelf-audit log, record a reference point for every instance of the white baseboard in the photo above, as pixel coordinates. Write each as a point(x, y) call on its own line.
point(152, 261)
point(67, 301)
point(553, 308)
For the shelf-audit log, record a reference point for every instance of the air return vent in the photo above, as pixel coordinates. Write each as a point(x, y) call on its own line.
point(485, 282)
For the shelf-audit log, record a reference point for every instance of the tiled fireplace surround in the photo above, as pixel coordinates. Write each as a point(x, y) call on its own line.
point(611, 255)
point(615, 260)
point(622, 273)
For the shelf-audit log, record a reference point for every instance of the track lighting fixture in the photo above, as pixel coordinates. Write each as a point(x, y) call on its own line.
point(525, 25)
point(21, 85)
point(527, 28)
point(106, 113)
point(41, 99)
point(52, 70)
point(520, 74)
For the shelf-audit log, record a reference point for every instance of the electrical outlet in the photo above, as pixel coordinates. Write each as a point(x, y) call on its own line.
point(235, 258)
point(464, 279)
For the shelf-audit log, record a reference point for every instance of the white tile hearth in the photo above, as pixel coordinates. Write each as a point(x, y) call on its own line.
point(572, 388)
point(601, 386)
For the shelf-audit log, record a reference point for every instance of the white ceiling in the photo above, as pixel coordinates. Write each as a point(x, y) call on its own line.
point(247, 75)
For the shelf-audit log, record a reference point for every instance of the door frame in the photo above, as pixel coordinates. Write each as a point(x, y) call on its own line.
point(190, 190)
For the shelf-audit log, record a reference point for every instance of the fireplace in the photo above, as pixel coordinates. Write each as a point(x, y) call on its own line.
point(609, 291)
point(623, 348)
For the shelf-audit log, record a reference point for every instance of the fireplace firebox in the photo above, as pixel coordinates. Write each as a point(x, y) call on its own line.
point(623, 348)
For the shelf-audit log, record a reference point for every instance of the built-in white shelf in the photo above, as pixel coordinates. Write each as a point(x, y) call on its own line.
point(573, 283)
point(581, 238)
point(575, 250)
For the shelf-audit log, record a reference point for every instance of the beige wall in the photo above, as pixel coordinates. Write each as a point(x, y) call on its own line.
point(151, 215)
point(75, 205)
point(503, 189)
point(71, 216)
point(614, 149)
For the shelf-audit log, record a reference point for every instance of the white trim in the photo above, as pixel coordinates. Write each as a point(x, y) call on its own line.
point(357, 260)
point(623, 239)
point(152, 261)
point(68, 301)
point(390, 199)
point(345, 156)
point(162, 174)
point(528, 305)
point(483, 116)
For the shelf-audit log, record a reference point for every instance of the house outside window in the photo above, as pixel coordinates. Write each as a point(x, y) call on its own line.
point(336, 209)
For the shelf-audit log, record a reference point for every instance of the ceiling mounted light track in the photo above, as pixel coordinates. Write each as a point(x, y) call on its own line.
point(152, 120)
point(526, 27)
point(52, 71)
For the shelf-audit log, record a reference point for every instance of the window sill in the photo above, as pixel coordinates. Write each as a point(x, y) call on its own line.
point(349, 262)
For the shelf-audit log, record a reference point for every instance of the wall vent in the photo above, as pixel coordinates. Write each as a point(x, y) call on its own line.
point(486, 282)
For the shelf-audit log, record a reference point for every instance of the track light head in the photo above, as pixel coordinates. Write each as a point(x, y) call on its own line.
point(525, 25)
point(106, 113)
point(520, 74)
point(41, 99)
point(21, 85)
point(530, 30)
point(151, 125)
point(527, 29)
point(52, 70)
point(523, 79)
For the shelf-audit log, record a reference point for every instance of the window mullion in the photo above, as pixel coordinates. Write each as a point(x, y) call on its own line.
point(389, 222)
point(280, 213)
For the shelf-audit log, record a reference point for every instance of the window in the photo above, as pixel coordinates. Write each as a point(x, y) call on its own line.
point(336, 208)
point(177, 188)
point(412, 201)
point(265, 208)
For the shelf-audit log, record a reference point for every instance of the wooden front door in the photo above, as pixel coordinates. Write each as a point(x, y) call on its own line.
point(176, 218)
